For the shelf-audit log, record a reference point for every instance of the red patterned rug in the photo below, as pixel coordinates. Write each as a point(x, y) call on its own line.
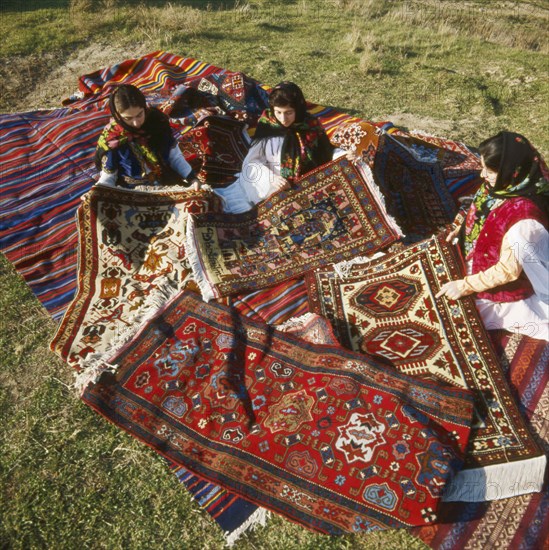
point(386, 308)
point(331, 215)
point(131, 261)
point(216, 148)
point(317, 433)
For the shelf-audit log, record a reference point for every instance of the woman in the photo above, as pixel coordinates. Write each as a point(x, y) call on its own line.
point(505, 239)
point(288, 143)
point(137, 147)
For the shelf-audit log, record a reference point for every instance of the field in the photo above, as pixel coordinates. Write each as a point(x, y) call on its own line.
point(462, 70)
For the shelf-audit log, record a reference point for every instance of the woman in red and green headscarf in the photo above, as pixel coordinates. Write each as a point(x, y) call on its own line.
point(505, 239)
point(288, 143)
point(137, 147)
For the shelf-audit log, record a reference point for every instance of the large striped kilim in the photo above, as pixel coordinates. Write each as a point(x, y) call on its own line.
point(46, 159)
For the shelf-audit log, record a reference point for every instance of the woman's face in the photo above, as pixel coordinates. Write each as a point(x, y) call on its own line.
point(489, 175)
point(284, 115)
point(133, 116)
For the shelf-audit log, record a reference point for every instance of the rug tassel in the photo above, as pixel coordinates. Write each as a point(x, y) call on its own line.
point(191, 251)
point(91, 374)
point(497, 481)
point(259, 517)
point(368, 177)
point(343, 269)
point(92, 367)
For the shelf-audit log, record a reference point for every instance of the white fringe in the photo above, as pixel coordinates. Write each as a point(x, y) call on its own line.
point(93, 366)
point(343, 269)
point(295, 322)
point(259, 517)
point(193, 256)
point(497, 481)
point(91, 375)
point(368, 177)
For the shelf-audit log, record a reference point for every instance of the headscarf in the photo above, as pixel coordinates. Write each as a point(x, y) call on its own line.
point(150, 143)
point(521, 173)
point(305, 145)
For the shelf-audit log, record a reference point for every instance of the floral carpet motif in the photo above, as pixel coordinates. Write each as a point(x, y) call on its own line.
point(331, 215)
point(386, 309)
point(317, 433)
point(131, 260)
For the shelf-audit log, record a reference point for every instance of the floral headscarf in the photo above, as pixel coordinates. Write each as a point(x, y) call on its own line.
point(522, 173)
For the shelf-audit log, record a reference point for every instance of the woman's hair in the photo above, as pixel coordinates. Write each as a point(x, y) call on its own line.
point(512, 156)
point(125, 97)
point(288, 94)
point(491, 150)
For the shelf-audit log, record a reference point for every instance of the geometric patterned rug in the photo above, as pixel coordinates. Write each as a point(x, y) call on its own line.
point(131, 261)
point(518, 522)
point(319, 434)
point(410, 177)
point(386, 308)
point(332, 214)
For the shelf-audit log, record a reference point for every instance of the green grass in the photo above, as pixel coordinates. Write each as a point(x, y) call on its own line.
point(461, 70)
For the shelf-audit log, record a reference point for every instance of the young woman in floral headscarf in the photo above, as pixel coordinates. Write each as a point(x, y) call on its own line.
point(137, 147)
point(288, 143)
point(506, 241)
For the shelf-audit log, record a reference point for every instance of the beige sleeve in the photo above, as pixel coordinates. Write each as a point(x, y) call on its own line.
point(507, 269)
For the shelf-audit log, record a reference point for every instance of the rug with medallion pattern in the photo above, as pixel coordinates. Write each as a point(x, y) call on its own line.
point(386, 308)
point(317, 433)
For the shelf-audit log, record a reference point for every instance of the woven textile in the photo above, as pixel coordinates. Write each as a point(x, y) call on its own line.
point(387, 309)
point(519, 522)
point(220, 145)
point(329, 216)
point(273, 305)
point(324, 437)
point(131, 260)
point(360, 137)
point(410, 176)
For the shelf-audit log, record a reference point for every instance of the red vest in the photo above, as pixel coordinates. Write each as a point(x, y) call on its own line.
point(488, 246)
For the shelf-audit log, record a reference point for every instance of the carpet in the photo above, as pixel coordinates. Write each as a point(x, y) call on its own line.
point(43, 179)
point(520, 522)
point(386, 309)
point(131, 261)
point(331, 214)
point(219, 144)
point(316, 433)
point(410, 177)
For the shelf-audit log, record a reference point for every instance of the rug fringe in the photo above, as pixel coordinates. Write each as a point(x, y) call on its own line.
point(368, 177)
point(343, 269)
point(91, 374)
point(295, 322)
point(193, 256)
point(497, 481)
point(259, 517)
point(93, 366)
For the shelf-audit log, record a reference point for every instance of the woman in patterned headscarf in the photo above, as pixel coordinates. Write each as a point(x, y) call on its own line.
point(288, 143)
point(137, 147)
point(505, 239)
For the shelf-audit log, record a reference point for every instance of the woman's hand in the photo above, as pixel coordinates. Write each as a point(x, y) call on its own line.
point(280, 183)
point(352, 156)
point(453, 290)
point(452, 235)
point(195, 184)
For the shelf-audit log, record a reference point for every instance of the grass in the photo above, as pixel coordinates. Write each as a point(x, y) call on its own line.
point(462, 70)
